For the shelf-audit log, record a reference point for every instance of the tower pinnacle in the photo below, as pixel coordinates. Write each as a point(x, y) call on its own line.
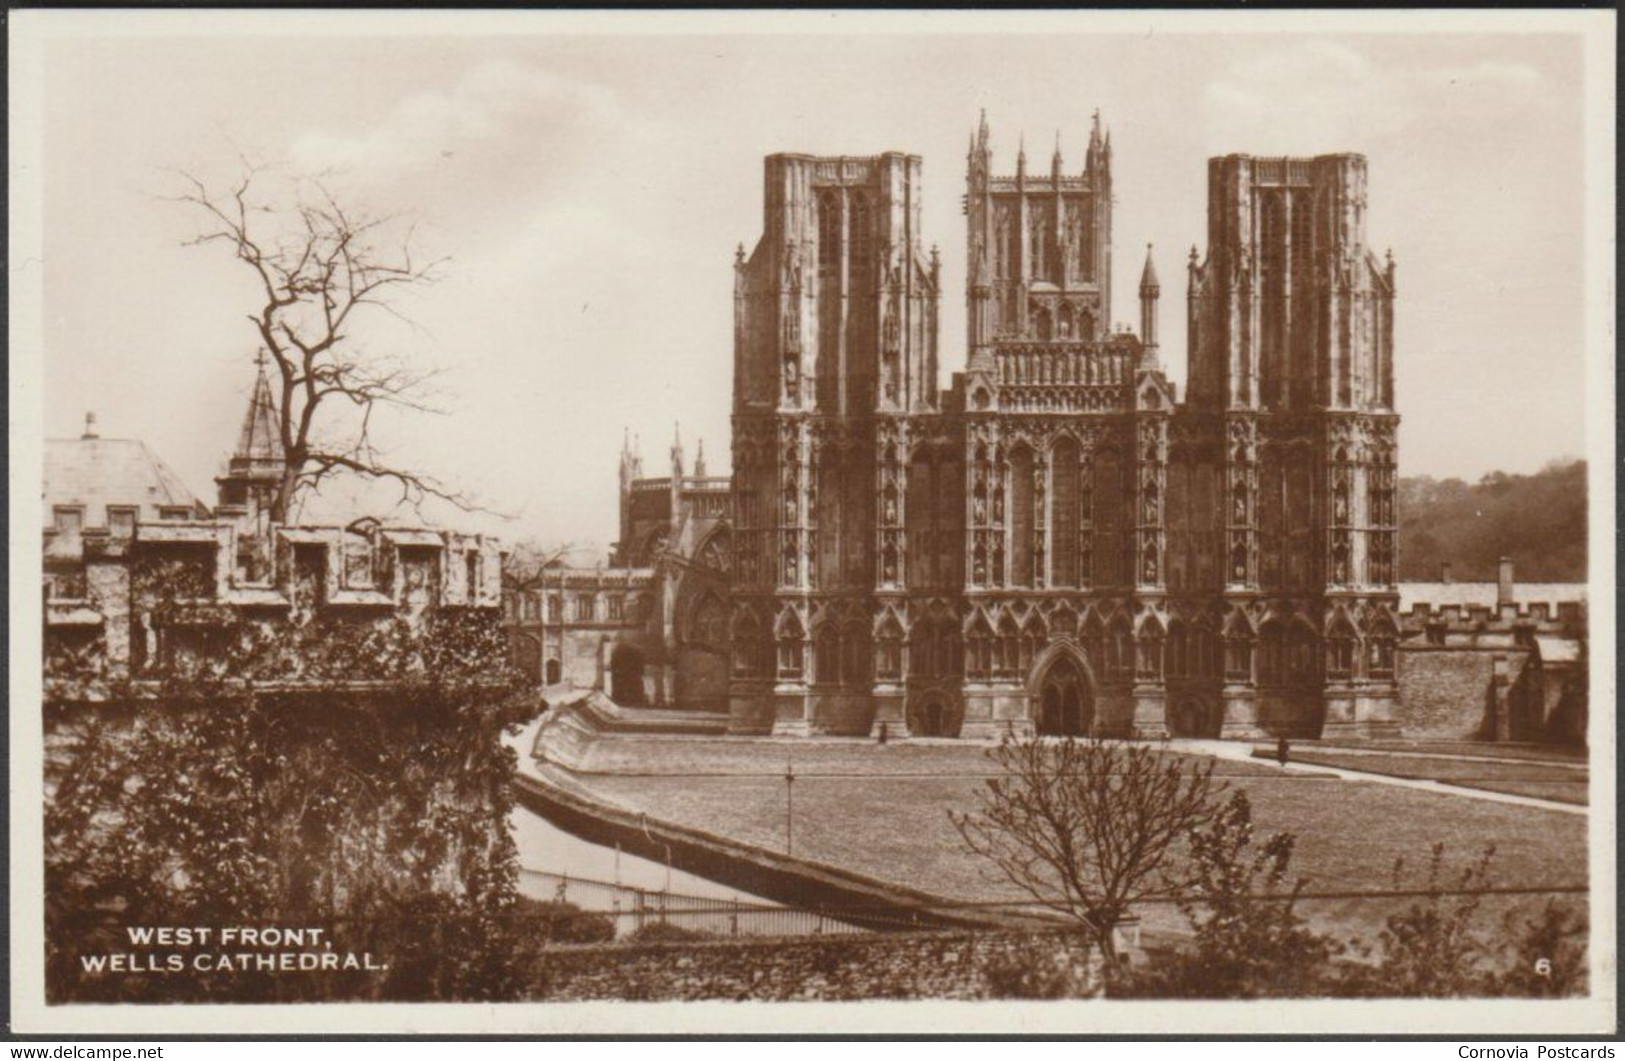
point(1149, 292)
point(255, 469)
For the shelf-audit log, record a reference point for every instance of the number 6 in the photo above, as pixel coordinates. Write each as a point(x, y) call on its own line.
point(1543, 967)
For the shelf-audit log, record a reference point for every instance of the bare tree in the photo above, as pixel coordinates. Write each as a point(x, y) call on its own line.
point(320, 268)
point(1089, 827)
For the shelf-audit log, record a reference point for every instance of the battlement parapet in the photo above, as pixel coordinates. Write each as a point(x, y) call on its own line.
point(1456, 616)
point(216, 561)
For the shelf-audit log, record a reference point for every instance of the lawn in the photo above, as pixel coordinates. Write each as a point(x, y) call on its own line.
point(1553, 753)
point(746, 757)
point(1574, 792)
point(1543, 779)
point(895, 825)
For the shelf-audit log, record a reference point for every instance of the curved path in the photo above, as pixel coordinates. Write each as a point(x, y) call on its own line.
point(1242, 751)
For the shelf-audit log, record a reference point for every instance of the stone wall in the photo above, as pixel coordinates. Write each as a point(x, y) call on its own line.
point(898, 966)
point(1447, 692)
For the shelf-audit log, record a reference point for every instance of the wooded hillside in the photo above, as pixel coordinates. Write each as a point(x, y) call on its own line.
point(1538, 520)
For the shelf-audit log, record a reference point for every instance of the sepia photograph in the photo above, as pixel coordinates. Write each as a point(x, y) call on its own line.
point(1052, 522)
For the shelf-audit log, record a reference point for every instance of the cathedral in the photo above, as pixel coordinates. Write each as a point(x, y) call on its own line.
point(1058, 542)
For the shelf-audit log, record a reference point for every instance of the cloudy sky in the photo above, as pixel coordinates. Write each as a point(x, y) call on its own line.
point(590, 190)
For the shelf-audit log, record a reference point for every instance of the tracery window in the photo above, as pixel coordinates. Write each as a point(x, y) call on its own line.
point(791, 648)
point(979, 650)
point(1007, 653)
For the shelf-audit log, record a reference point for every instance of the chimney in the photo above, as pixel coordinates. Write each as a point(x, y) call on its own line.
point(1503, 583)
point(1444, 571)
point(90, 426)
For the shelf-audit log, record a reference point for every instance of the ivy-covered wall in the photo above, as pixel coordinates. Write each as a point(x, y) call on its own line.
point(239, 787)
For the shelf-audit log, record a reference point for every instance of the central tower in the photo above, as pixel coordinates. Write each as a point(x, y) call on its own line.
point(1040, 247)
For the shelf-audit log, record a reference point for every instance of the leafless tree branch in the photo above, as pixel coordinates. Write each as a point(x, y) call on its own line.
point(320, 268)
point(1088, 827)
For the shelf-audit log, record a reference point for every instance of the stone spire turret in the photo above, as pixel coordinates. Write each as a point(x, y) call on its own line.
point(1150, 290)
point(260, 441)
point(254, 471)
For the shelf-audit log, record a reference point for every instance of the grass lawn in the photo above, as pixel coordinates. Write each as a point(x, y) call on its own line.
point(1552, 781)
point(720, 757)
point(1557, 791)
point(895, 826)
point(1553, 753)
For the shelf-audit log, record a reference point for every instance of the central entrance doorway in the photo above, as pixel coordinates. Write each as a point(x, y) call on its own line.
point(1066, 702)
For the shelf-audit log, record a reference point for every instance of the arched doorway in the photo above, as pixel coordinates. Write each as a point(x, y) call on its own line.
point(1064, 699)
point(554, 672)
point(932, 717)
point(626, 675)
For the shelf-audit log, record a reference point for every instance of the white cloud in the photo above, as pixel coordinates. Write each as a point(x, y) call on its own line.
point(502, 121)
point(1320, 96)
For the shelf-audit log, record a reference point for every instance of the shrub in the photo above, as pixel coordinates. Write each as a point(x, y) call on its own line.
point(1548, 955)
point(1038, 968)
point(1250, 941)
point(665, 932)
point(1432, 948)
point(562, 922)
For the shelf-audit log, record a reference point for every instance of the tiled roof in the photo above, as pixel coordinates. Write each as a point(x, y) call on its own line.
point(98, 472)
point(1465, 594)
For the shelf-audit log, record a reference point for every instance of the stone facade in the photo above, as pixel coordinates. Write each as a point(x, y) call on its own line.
point(652, 627)
point(1056, 543)
point(1494, 660)
point(138, 597)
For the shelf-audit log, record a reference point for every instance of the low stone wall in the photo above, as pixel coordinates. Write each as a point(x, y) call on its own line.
point(1446, 692)
point(952, 965)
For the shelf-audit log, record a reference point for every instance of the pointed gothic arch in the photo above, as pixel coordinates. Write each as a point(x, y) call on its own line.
point(1382, 640)
point(791, 638)
point(1119, 649)
point(826, 658)
point(1034, 636)
point(857, 655)
point(1063, 621)
point(1092, 638)
point(1066, 515)
point(889, 647)
point(751, 648)
point(1023, 513)
point(1342, 647)
point(1043, 325)
point(706, 623)
point(978, 648)
point(1061, 692)
point(1148, 648)
point(1178, 663)
point(715, 553)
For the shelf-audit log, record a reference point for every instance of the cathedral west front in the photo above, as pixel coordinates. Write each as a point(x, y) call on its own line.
point(1058, 542)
